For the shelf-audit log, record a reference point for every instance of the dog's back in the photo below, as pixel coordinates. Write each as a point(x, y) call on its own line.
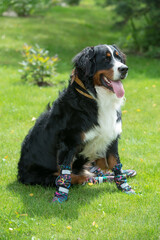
point(37, 155)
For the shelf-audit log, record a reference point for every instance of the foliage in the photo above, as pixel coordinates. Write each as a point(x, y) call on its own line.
point(24, 7)
point(3, 6)
point(37, 65)
point(67, 2)
point(143, 18)
point(101, 3)
point(73, 2)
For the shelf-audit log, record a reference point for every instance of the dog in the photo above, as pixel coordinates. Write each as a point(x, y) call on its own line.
point(83, 125)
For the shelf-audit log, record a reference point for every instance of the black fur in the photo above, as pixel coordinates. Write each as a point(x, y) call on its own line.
point(57, 136)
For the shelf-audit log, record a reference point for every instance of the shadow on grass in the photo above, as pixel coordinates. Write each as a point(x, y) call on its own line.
point(37, 201)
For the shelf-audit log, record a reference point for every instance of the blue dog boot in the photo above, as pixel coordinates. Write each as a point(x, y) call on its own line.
point(99, 173)
point(96, 171)
point(117, 169)
point(63, 183)
point(122, 184)
point(129, 173)
point(121, 180)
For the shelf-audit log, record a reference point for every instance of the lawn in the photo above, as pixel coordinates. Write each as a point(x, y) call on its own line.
point(92, 212)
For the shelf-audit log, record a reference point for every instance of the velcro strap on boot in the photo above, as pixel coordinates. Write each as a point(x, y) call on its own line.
point(64, 190)
point(100, 179)
point(93, 169)
point(66, 171)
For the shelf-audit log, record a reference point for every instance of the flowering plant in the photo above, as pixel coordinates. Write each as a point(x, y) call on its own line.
point(37, 65)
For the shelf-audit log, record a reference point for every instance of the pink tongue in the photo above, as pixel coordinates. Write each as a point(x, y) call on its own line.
point(118, 88)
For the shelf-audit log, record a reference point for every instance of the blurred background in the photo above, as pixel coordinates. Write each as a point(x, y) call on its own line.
point(65, 27)
point(138, 21)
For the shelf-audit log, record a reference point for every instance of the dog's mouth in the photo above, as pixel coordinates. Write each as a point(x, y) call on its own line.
point(114, 86)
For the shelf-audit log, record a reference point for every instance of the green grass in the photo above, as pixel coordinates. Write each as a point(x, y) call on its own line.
point(66, 31)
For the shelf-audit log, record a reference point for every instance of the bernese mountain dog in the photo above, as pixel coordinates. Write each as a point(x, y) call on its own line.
point(82, 125)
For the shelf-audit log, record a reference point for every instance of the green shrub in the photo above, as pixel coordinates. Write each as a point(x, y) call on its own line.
point(4, 4)
point(37, 65)
point(24, 7)
point(73, 2)
point(142, 17)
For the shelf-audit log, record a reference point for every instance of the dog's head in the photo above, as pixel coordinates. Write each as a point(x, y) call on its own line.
point(102, 65)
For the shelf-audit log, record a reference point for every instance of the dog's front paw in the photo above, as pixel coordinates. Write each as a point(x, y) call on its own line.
point(60, 197)
point(122, 184)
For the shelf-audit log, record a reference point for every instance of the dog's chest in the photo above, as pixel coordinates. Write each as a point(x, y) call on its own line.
point(98, 139)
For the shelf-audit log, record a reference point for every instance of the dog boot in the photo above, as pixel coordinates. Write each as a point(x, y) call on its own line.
point(122, 184)
point(100, 176)
point(63, 183)
point(98, 180)
point(99, 173)
point(121, 180)
point(129, 173)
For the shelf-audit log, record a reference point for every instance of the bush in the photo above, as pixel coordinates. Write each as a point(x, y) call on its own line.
point(37, 65)
point(143, 19)
point(73, 2)
point(24, 8)
point(3, 6)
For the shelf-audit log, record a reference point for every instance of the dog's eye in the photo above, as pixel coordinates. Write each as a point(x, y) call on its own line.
point(108, 54)
point(108, 57)
point(117, 56)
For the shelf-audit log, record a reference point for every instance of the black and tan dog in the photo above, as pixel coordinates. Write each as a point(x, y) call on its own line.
point(82, 125)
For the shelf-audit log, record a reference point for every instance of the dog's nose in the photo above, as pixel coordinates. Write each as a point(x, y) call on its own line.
point(123, 69)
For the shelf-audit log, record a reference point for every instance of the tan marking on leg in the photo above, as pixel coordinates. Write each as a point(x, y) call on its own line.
point(101, 163)
point(77, 179)
point(56, 173)
point(112, 161)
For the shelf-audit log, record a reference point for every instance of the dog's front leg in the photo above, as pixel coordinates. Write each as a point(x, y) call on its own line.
point(63, 182)
point(115, 165)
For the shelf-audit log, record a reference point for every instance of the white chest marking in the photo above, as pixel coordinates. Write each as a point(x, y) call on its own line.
point(98, 139)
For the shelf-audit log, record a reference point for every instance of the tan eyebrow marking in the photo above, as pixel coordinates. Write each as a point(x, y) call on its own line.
point(117, 53)
point(108, 54)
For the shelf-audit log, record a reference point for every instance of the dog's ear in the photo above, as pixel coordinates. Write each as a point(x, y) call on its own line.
point(121, 53)
point(84, 61)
